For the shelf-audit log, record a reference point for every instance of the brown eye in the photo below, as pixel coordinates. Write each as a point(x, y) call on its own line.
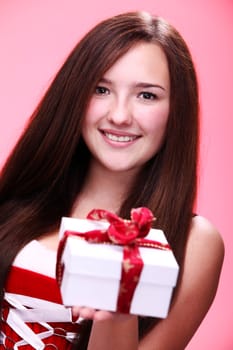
point(147, 95)
point(101, 90)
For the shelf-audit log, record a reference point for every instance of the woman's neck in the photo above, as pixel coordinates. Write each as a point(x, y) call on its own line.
point(103, 189)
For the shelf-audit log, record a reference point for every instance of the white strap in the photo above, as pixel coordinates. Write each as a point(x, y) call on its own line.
point(18, 315)
point(40, 310)
point(26, 333)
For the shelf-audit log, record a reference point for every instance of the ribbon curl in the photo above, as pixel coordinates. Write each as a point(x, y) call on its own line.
point(128, 233)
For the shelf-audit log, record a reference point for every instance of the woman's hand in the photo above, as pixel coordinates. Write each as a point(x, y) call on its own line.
point(110, 330)
point(97, 315)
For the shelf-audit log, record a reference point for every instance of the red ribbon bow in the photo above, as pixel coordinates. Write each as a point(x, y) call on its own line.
point(128, 233)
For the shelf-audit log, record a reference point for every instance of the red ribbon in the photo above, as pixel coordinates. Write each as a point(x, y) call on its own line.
point(128, 233)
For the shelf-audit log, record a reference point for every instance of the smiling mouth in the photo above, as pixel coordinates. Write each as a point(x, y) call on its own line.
point(121, 138)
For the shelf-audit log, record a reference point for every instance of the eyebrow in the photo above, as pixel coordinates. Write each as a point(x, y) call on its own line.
point(137, 85)
point(149, 85)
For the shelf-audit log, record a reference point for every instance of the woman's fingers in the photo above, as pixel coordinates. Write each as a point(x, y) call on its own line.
point(83, 311)
point(101, 315)
point(90, 313)
point(98, 315)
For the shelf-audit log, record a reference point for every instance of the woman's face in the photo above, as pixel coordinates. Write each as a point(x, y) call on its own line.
point(127, 115)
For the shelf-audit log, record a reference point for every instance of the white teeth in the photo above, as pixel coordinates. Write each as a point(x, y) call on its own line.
point(119, 138)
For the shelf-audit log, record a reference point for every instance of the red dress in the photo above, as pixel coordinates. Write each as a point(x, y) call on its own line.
point(33, 314)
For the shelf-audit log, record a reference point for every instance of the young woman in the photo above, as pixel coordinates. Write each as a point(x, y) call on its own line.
point(117, 129)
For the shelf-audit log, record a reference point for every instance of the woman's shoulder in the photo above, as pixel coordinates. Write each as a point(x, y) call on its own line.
point(203, 258)
point(205, 235)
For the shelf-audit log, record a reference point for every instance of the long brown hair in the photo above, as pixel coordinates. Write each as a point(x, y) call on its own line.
point(46, 170)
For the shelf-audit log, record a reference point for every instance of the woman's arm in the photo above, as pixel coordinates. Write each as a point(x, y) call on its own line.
point(118, 333)
point(197, 288)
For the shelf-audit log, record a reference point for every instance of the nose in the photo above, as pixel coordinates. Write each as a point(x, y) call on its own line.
point(120, 112)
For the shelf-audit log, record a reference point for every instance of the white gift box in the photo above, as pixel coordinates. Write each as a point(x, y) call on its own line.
point(91, 272)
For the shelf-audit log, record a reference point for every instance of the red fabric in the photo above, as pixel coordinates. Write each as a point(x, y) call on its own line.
point(59, 341)
point(33, 284)
point(29, 283)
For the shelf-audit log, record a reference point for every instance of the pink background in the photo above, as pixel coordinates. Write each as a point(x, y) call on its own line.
point(36, 36)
